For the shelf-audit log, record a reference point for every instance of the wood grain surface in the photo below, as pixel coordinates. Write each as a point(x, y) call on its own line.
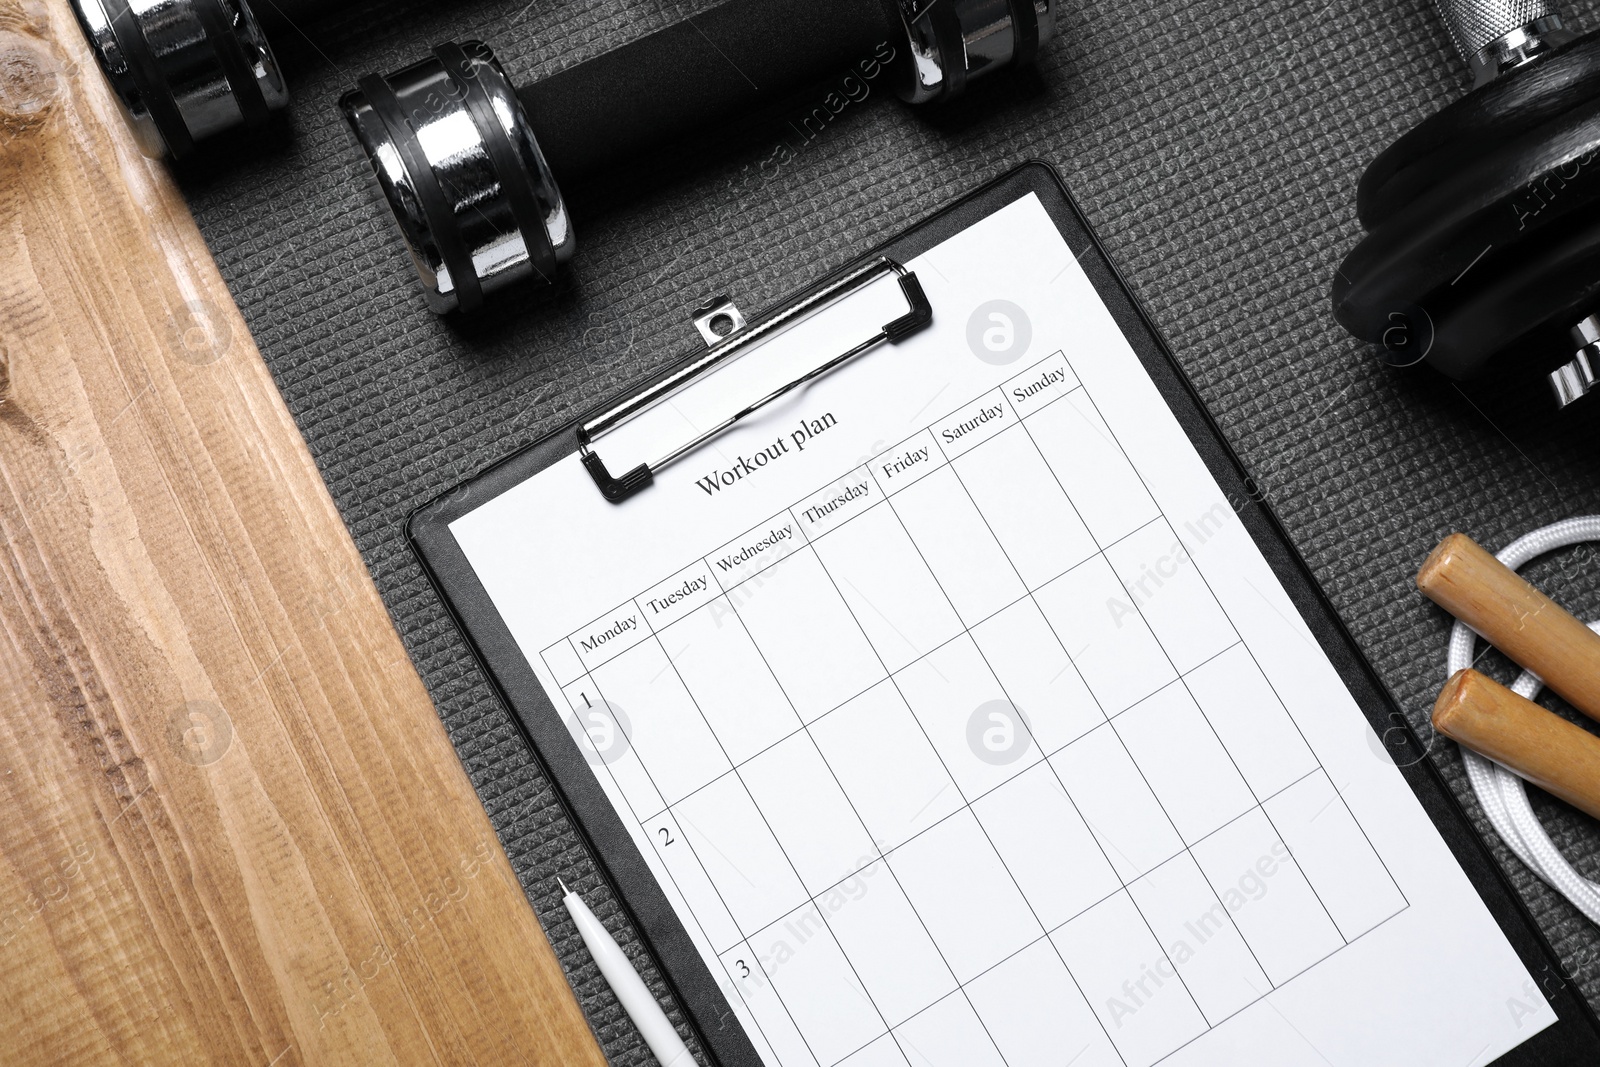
point(1538, 634)
point(1557, 756)
point(232, 829)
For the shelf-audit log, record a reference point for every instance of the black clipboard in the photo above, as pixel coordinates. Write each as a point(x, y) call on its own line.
point(1573, 1039)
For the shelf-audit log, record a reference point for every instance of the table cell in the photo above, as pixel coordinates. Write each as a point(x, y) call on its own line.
point(1128, 981)
point(958, 547)
point(1105, 635)
point(949, 1034)
point(692, 882)
point(1116, 803)
point(964, 895)
point(743, 860)
point(1247, 715)
point(887, 944)
point(891, 593)
point(1049, 379)
point(610, 635)
point(603, 732)
point(1183, 761)
point(1165, 584)
point(666, 729)
point(1036, 1015)
point(1335, 856)
point(1058, 865)
point(807, 635)
point(829, 1005)
point(749, 982)
point(808, 813)
point(969, 426)
point(1027, 658)
point(729, 679)
point(1264, 892)
point(978, 733)
point(881, 1053)
point(1091, 467)
point(907, 463)
point(1025, 507)
point(562, 661)
point(836, 504)
point(891, 774)
point(1192, 926)
point(689, 589)
point(755, 550)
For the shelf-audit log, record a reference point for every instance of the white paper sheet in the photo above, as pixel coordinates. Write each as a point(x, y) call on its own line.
point(962, 722)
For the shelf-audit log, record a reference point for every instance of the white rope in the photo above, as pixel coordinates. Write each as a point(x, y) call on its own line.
point(1501, 793)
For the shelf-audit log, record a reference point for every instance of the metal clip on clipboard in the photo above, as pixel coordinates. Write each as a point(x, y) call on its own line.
point(617, 489)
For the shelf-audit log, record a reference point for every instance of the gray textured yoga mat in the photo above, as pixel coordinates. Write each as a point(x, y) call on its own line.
point(1214, 146)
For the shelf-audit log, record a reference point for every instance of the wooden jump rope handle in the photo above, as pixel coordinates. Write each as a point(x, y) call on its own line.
point(1535, 631)
point(1539, 745)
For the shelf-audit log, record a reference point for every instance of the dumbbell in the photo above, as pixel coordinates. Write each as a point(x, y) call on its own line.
point(188, 70)
point(1483, 222)
point(474, 170)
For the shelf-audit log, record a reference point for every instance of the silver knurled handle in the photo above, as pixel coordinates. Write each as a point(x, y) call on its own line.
point(1475, 23)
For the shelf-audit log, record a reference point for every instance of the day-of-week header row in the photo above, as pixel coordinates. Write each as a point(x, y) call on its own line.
point(689, 589)
point(781, 536)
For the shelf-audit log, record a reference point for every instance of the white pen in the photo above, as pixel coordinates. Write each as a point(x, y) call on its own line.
point(637, 1001)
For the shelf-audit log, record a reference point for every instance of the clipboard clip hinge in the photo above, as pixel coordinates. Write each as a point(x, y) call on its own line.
point(616, 489)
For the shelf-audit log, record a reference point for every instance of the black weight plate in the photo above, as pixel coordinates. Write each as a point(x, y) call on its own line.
point(1452, 138)
point(1484, 213)
point(247, 95)
point(1553, 285)
point(147, 76)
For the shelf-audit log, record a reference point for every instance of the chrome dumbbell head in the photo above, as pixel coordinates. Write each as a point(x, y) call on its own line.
point(953, 43)
point(457, 159)
point(1496, 36)
point(183, 70)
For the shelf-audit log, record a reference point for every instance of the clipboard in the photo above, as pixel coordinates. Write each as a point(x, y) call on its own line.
point(1574, 1038)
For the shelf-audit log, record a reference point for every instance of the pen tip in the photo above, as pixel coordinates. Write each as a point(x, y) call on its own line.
point(564, 890)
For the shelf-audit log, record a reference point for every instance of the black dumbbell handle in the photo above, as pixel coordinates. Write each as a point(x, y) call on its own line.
point(278, 18)
point(715, 68)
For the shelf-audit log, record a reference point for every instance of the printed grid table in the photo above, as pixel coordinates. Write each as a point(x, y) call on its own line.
point(961, 753)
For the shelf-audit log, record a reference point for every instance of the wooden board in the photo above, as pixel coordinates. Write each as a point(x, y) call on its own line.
point(232, 829)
